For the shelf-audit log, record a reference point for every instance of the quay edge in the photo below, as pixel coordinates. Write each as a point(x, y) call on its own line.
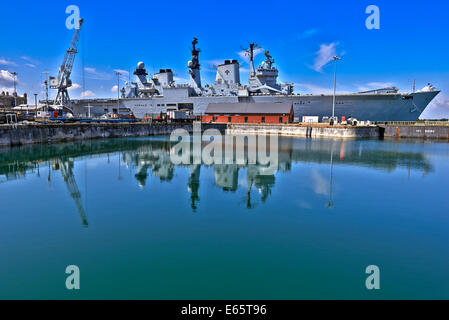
point(15, 135)
point(307, 130)
point(52, 133)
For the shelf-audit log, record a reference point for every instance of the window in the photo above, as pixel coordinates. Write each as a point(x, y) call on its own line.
point(229, 119)
point(263, 119)
point(246, 119)
point(280, 119)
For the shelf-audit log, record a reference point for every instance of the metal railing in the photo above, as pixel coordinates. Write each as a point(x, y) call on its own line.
point(11, 119)
point(415, 123)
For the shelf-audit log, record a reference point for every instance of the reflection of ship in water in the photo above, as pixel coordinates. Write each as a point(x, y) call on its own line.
point(151, 157)
point(227, 178)
point(262, 182)
point(157, 159)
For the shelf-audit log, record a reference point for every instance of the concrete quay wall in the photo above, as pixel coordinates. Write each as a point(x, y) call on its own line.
point(306, 131)
point(51, 133)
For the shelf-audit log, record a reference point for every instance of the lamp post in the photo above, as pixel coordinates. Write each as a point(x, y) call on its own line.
point(46, 88)
point(15, 91)
point(336, 58)
point(118, 74)
point(46, 94)
point(35, 102)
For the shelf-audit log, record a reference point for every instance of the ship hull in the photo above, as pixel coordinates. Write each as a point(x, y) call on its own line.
point(373, 107)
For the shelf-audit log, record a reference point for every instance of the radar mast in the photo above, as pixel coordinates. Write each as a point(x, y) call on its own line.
point(194, 67)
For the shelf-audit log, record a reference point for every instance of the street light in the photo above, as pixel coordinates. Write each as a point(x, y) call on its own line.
point(46, 88)
point(35, 102)
point(336, 58)
point(15, 92)
point(118, 74)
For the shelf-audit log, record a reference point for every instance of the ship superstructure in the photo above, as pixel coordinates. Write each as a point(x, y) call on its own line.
point(153, 94)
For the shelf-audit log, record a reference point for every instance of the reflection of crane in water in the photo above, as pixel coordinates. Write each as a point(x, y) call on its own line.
point(69, 178)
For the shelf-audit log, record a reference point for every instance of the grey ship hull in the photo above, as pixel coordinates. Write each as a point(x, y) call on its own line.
point(374, 107)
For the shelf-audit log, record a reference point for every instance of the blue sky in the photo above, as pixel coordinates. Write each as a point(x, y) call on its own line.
point(412, 43)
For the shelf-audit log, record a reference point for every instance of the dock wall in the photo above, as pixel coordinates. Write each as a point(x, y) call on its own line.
point(52, 133)
point(306, 131)
point(416, 131)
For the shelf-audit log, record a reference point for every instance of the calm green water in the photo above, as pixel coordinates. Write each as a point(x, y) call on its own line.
point(139, 227)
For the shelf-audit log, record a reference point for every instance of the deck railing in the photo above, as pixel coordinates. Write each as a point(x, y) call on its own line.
point(417, 123)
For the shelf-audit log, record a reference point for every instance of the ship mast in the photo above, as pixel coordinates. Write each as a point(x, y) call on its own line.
point(250, 52)
point(194, 67)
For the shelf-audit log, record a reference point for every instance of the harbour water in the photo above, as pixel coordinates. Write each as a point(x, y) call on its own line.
point(139, 227)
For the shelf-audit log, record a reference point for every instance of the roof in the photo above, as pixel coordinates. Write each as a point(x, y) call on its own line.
point(249, 108)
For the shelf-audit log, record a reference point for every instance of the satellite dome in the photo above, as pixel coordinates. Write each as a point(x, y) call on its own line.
point(141, 65)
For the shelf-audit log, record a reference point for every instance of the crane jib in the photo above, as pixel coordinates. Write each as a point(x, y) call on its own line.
point(63, 82)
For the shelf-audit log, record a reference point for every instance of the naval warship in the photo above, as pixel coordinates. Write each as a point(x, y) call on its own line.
point(150, 95)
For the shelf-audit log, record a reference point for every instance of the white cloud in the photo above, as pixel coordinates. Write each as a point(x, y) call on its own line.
point(93, 73)
point(380, 84)
point(307, 33)
point(375, 85)
point(211, 70)
point(6, 79)
point(32, 63)
point(178, 79)
point(87, 93)
point(7, 62)
point(324, 56)
point(114, 88)
point(123, 72)
point(10, 90)
point(438, 108)
point(244, 55)
point(75, 86)
point(214, 63)
point(314, 89)
point(320, 184)
point(29, 59)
